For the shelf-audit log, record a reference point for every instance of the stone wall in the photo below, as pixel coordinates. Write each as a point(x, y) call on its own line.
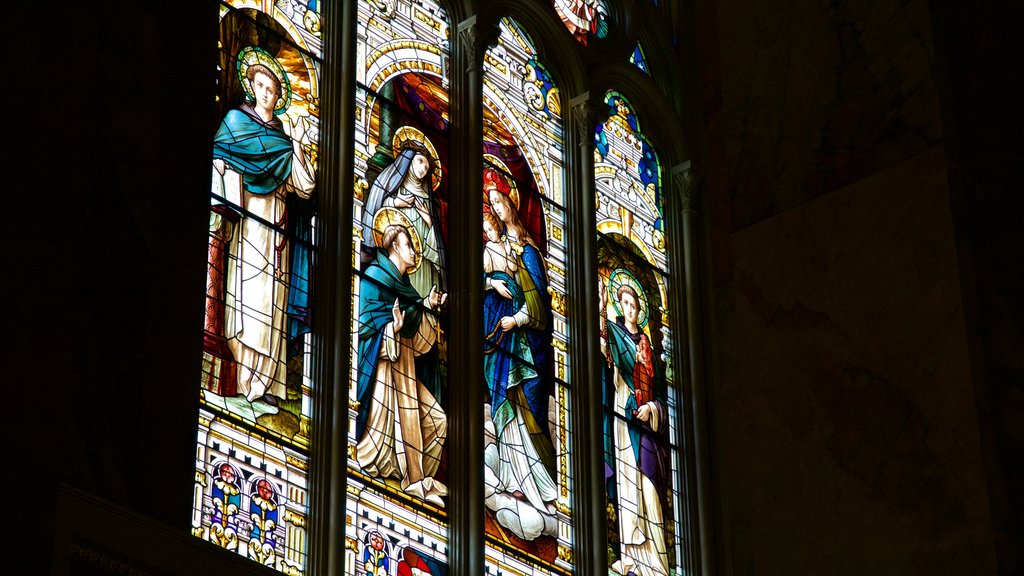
point(861, 407)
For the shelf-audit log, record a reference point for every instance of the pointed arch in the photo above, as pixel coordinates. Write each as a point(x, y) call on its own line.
point(561, 55)
point(662, 127)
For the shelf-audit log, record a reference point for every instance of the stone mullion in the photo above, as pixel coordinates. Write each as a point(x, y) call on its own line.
point(333, 305)
point(590, 521)
point(465, 302)
point(686, 298)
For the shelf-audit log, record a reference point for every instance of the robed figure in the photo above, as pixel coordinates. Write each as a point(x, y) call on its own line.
point(520, 483)
point(400, 426)
point(635, 457)
point(259, 162)
point(407, 187)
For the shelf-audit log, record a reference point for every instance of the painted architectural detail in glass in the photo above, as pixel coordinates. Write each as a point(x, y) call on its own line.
point(255, 386)
point(637, 59)
point(398, 418)
point(526, 438)
point(384, 557)
point(585, 19)
point(226, 496)
point(629, 188)
point(639, 395)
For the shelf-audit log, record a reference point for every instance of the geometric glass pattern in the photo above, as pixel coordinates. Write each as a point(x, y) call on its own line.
point(253, 438)
point(527, 463)
point(396, 518)
point(585, 19)
point(639, 391)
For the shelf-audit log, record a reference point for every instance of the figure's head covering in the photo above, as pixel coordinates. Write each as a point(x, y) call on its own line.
point(412, 138)
point(389, 181)
point(495, 180)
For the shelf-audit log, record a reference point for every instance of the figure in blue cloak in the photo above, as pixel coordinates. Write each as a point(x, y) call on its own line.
point(260, 167)
point(400, 426)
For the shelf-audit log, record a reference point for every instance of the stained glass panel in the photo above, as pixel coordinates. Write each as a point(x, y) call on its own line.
point(398, 402)
point(638, 60)
point(585, 19)
point(639, 393)
point(526, 436)
point(255, 388)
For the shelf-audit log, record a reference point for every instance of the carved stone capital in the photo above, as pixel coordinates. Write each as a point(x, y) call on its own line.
point(476, 37)
point(685, 184)
point(587, 113)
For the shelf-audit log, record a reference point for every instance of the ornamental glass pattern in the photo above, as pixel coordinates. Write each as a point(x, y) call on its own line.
point(584, 19)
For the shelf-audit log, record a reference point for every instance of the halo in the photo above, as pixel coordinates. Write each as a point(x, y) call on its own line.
point(503, 169)
point(622, 277)
point(255, 55)
point(388, 216)
point(407, 134)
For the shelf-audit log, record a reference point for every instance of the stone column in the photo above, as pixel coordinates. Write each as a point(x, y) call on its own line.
point(683, 224)
point(332, 280)
point(465, 266)
point(589, 501)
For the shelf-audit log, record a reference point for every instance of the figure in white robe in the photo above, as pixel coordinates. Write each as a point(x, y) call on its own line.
point(257, 165)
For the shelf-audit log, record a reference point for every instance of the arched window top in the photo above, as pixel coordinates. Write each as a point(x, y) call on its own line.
point(627, 161)
point(522, 107)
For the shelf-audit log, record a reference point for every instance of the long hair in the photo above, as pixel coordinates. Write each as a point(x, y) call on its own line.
point(514, 224)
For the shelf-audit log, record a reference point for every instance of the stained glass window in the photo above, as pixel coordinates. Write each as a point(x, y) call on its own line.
point(257, 383)
point(639, 390)
point(398, 416)
point(585, 19)
point(526, 438)
point(253, 445)
point(638, 60)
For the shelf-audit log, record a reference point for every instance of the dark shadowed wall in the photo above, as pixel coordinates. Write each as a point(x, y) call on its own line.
point(860, 169)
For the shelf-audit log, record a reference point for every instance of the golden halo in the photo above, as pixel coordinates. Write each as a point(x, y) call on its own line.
point(255, 55)
point(620, 277)
point(503, 169)
point(388, 216)
point(407, 134)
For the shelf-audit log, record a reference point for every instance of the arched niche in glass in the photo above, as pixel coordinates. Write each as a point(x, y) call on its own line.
point(255, 389)
point(639, 392)
point(584, 19)
point(398, 400)
point(527, 463)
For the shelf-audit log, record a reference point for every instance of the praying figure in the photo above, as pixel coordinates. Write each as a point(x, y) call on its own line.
point(401, 427)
